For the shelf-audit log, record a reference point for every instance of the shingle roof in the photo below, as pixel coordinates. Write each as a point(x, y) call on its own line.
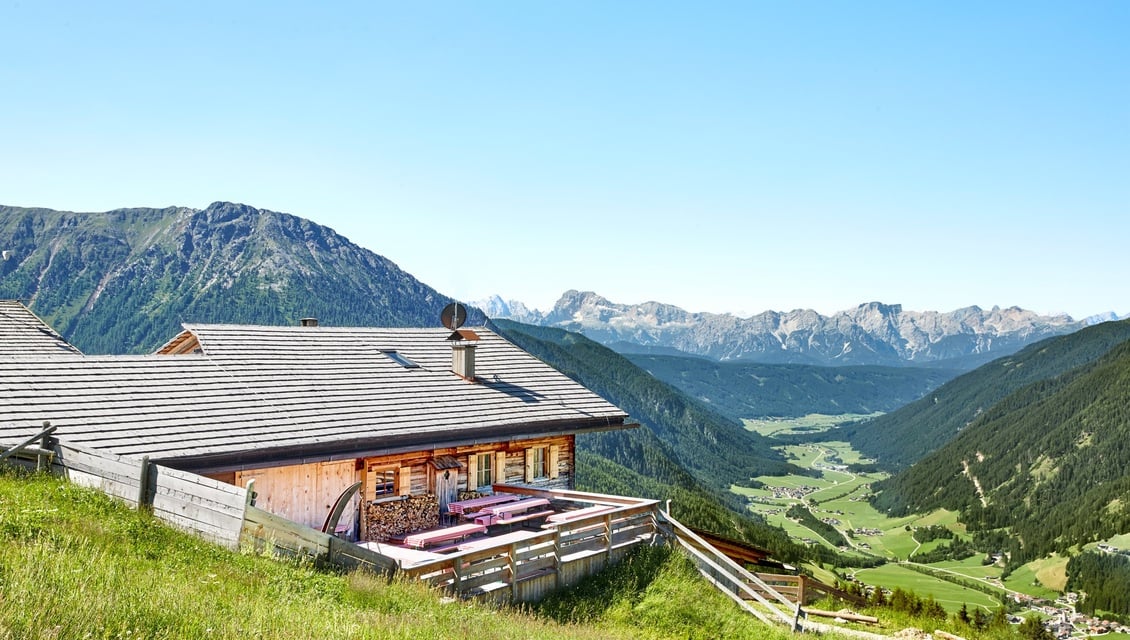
point(254, 393)
point(23, 333)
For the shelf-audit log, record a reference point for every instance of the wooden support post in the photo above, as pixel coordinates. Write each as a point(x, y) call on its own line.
point(800, 595)
point(457, 576)
point(143, 501)
point(608, 539)
point(557, 557)
point(512, 552)
point(42, 461)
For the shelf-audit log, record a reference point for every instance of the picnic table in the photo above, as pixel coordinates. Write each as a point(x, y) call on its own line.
point(511, 511)
point(428, 538)
point(474, 504)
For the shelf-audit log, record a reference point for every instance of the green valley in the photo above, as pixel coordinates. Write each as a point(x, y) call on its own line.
point(838, 494)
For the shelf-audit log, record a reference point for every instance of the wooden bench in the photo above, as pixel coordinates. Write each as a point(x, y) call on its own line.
point(576, 514)
point(529, 515)
point(427, 538)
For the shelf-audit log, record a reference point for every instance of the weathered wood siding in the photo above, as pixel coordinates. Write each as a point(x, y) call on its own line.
point(265, 531)
point(202, 506)
point(302, 493)
point(416, 476)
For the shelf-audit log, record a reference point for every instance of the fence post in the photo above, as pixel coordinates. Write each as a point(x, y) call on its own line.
point(512, 552)
point(42, 461)
point(557, 566)
point(143, 501)
point(608, 534)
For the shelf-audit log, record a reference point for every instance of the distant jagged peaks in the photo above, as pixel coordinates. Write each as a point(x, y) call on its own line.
point(871, 333)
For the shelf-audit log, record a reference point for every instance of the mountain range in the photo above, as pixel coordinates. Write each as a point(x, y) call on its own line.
point(126, 280)
point(870, 334)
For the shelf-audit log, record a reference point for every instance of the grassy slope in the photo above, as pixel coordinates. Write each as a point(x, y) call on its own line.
point(75, 564)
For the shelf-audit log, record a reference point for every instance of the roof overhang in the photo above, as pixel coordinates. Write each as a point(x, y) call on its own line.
point(265, 457)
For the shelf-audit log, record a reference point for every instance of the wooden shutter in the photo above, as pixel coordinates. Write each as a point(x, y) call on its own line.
point(472, 471)
point(404, 481)
point(500, 467)
point(554, 454)
point(529, 465)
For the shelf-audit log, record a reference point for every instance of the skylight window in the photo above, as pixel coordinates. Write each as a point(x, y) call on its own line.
point(400, 359)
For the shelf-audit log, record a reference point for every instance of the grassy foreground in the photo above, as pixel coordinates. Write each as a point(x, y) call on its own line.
point(75, 564)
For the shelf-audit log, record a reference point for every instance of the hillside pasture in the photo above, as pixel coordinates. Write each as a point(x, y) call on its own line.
point(949, 595)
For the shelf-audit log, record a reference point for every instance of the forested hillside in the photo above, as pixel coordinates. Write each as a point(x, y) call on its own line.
point(1050, 461)
point(902, 437)
point(125, 280)
point(677, 434)
point(751, 390)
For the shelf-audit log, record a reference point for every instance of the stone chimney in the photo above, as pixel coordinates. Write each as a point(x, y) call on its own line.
point(308, 322)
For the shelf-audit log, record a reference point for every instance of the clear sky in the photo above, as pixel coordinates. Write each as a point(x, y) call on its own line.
point(717, 156)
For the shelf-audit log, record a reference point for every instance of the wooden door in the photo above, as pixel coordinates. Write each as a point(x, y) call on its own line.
point(447, 481)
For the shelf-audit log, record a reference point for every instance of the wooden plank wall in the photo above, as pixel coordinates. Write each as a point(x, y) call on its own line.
point(302, 493)
point(208, 508)
point(267, 532)
point(113, 475)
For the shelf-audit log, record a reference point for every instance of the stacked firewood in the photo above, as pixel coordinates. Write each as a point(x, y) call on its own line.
point(469, 495)
point(398, 517)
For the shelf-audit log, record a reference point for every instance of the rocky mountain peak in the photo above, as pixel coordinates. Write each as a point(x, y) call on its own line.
point(871, 333)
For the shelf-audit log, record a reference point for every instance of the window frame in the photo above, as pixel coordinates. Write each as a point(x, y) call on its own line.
point(540, 462)
point(484, 471)
point(390, 478)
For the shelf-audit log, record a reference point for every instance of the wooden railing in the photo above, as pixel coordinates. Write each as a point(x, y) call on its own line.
point(732, 579)
point(524, 568)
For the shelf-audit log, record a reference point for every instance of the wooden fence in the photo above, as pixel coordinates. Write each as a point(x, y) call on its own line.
point(207, 508)
point(200, 506)
point(732, 579)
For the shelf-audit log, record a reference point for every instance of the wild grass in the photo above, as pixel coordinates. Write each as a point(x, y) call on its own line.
point(657, 592)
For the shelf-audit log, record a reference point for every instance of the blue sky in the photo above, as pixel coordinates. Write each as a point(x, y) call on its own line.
point(718, 156)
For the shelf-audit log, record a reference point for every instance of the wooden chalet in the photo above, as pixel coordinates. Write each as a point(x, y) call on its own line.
point(420, 417)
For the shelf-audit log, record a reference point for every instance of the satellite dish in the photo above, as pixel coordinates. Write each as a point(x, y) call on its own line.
point(453, 316)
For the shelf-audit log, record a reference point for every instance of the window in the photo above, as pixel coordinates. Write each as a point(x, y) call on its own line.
point(383, 481)
point(400, 359)
point(539, 463)
point(484, 470)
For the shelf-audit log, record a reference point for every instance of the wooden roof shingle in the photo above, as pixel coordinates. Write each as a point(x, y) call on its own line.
point(23, 333)
point(242, 395)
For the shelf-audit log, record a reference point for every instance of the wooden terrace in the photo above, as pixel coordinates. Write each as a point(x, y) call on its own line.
point(527, 550)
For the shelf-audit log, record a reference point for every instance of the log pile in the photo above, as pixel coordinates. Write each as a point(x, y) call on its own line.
point(398, 517)
point(469, 495)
